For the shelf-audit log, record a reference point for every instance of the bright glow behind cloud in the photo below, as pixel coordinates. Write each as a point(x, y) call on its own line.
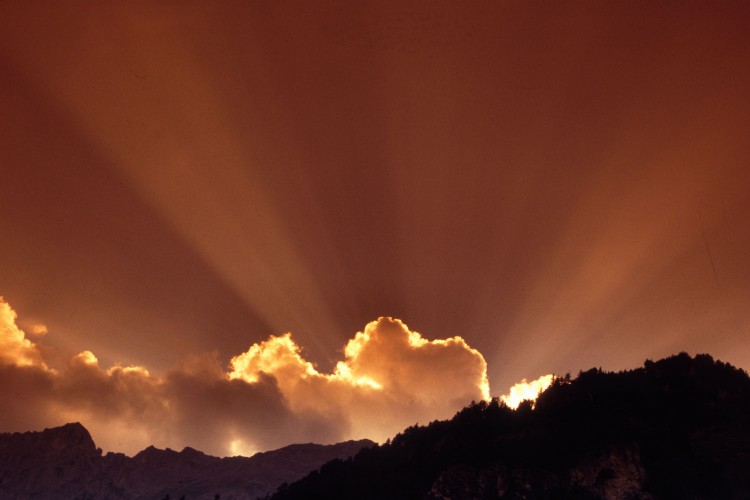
point(524, 390)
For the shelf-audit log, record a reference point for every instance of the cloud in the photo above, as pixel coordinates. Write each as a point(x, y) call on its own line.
point(39, 329)
point(15, 348)
point(390, 377)
point(269, 396)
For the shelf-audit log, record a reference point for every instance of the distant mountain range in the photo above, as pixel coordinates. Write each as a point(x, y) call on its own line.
point(64, 463)
point(675, 428)
point(678, 428)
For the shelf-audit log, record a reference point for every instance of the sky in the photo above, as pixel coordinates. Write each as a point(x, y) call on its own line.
point(534, 187)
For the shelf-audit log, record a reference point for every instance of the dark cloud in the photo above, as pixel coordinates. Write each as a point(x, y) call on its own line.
point(391, 377)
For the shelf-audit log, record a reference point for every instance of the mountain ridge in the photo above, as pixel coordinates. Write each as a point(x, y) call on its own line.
point(64, 463)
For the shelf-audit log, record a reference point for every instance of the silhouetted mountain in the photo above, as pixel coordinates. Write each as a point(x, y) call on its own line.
point(64, 463)
point(676, 428)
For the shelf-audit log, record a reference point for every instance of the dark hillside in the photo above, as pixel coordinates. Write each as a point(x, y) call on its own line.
point(676, 428)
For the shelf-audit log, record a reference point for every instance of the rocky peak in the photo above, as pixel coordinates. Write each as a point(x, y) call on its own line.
point(66, 440)
point(70, 437)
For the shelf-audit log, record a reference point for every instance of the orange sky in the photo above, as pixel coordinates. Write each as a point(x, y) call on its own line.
point(562, 185)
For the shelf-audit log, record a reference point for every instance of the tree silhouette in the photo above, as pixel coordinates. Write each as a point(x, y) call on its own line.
point(684, 421)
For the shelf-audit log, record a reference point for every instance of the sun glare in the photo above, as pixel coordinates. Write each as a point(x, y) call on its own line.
point(524, 390)
point(239, 447)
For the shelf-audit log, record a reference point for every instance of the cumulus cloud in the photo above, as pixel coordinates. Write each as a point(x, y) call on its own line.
point(15, 348)
point(390, 377)
point(268, 396)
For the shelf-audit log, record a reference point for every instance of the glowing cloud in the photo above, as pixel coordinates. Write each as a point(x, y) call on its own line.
point(524, 390)
point(278, 356)
point(38, 329)
point(390, 378)
point(390, 355)
point(15, 348)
